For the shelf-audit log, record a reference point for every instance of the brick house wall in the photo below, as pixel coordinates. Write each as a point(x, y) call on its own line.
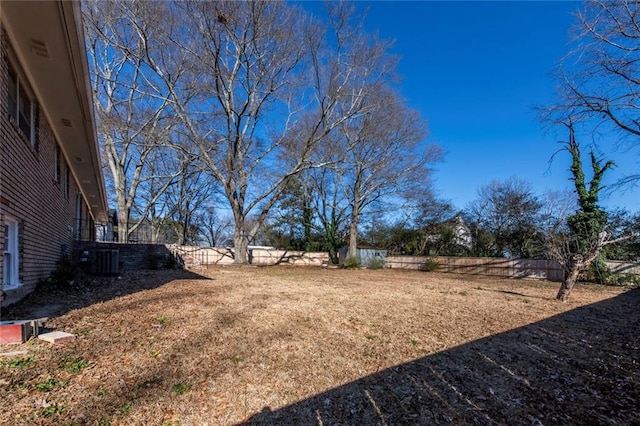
point(31, 194)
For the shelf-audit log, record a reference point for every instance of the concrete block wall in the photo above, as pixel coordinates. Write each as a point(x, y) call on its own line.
point(131, 256)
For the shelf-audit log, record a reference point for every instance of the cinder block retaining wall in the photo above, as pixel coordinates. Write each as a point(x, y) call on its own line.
point(131, 256)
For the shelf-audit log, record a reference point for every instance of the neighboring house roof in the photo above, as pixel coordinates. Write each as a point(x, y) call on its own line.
point(48, 39)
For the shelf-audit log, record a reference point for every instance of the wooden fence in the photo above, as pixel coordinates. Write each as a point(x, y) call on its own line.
point(551, 270)
point(492, 266)
point(624, 267)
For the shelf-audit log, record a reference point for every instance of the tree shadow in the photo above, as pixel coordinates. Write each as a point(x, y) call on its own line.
point(52, 300)
point(513, 293)
point(582, 366)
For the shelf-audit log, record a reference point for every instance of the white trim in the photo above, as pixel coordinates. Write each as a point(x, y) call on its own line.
point(10, 255)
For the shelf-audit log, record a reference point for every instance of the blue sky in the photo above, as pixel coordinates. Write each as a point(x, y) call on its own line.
point(476, 70)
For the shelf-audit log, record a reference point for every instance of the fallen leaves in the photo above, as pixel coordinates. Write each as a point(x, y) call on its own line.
point(304, 345)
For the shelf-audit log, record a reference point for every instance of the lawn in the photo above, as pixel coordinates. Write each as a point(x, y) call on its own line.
point(292, 345)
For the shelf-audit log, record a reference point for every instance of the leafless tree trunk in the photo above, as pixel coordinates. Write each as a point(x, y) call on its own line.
point(269, 85)
point(574, 263)
point(353, 228)
point(250, 83)
point(133, 122)
point(184, 199)
point(214, 228)
point(329, 206)
point(384, 157)
point(571, 272)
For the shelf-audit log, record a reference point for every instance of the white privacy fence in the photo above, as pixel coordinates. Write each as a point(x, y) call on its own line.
point(202, 256)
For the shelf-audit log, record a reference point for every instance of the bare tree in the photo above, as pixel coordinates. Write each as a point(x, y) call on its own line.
point(438, 225)
point(269, 82)
point(556, 207)
point(250, 83)
point(292, 221)
point(133, 120)
point(600, 78)
point(383, 158)
point(153, 194)
point(215, 228)
point(330, 208)
point(374, 160)
point(509, 211)
point(185, 200)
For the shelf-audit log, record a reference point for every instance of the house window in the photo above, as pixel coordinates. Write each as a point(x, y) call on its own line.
point(65, 181)
point(10, 259)
point(20, 106)
point(78, 217)
point(57, 164)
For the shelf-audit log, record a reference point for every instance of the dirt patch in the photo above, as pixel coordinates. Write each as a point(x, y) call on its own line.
point(302, 345)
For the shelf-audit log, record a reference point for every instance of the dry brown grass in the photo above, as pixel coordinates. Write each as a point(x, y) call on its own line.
point(312, 345)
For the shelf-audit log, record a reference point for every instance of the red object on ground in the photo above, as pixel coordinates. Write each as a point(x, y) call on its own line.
point(15, 331)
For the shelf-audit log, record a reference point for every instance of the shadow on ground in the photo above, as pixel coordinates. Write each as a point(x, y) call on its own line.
point(55, 300)
point(580, 367)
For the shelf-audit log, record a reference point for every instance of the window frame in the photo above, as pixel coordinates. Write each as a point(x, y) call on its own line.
point(78, 219)
point(57, 167)
point(66, 180)
point(22, 90)
point(11, 254)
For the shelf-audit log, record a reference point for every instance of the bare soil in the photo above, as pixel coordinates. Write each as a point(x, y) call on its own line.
point(285, 345)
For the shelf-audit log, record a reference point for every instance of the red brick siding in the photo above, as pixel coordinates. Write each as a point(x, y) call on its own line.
point(30, 194)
